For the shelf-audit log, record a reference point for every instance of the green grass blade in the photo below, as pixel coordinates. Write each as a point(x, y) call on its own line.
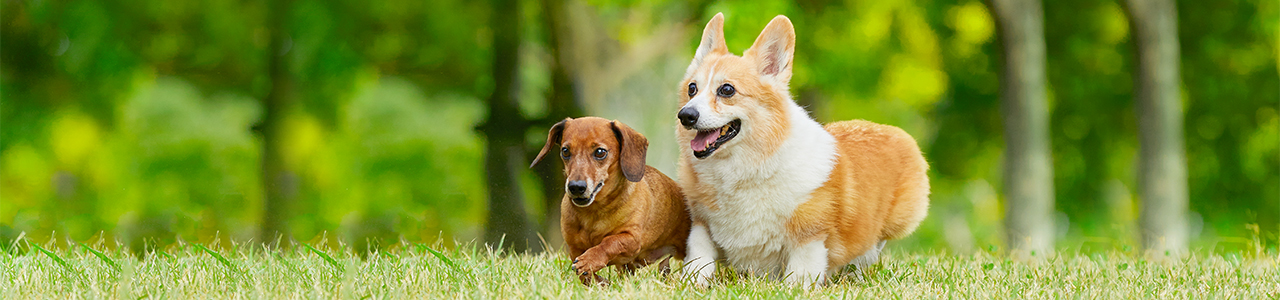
point(389, 256)
point(219, 257)
point(292, 268)
point(327, 258)
point(469, 271)
point(104, 257)
point(56, 259)
point(442, 258)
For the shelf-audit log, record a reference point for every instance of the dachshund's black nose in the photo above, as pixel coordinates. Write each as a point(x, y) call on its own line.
point(688, 116)
point(577, 188)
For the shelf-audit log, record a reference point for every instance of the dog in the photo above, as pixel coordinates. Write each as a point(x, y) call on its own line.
point(616, 210)
point(775, 192)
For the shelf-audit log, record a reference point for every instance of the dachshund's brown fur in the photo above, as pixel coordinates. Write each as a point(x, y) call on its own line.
point(636, 217)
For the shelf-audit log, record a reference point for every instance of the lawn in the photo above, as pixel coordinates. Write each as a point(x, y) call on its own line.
point(435, 272)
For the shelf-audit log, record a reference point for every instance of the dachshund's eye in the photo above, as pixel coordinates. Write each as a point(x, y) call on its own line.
point(726, 91)
point(693, 89)
point(564, 152)
point(600, 153)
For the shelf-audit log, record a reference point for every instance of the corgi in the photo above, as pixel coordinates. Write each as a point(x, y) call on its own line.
point(771, 190)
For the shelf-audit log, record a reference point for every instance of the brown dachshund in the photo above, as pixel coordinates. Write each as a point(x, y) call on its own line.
point(616, 210)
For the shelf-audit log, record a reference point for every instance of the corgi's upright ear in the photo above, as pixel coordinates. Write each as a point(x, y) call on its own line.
point(712, 42)
point(774, 51)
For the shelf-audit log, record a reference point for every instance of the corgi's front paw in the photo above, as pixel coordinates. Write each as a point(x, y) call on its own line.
point(807, 281)
point(699, 273)
point(808, 264)
point(700, 263)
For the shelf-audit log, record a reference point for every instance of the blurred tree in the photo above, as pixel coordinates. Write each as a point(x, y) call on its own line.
point(1162, 167)
point(571, 74)
point(278, 183)
point(965, 153)
point(562, 102)
point(504, 132)
point(1091, 121)
point(1232, 93)
point(1028, 173)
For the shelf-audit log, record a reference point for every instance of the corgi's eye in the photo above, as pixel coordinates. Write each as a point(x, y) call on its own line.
point(564, 152)
point(693, 89)
point(726, 91)
point(600, 153)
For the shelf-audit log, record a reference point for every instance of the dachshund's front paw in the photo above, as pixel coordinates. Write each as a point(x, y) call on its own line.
point(589, 263)
point(593, 280)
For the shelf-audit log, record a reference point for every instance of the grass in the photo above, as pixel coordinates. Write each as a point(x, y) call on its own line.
point(422, 271)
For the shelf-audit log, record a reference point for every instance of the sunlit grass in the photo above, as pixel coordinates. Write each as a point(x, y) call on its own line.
point(434, 272)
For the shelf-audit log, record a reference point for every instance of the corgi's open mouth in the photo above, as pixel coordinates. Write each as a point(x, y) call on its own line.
point(707, 141)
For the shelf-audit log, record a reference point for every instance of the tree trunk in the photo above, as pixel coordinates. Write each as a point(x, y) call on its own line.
point(1162, 161)
point(1028, 172)
point(507, 222)
point(277, 183)
point(562, 102)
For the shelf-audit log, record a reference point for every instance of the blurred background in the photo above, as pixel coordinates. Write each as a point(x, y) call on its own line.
point(371, 122)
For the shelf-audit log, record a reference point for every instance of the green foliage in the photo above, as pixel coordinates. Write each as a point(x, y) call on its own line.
point(1231, 88)
point(171, 153)
point(136, 120)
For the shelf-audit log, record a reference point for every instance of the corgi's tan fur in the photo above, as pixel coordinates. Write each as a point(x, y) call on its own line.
point(775, 192)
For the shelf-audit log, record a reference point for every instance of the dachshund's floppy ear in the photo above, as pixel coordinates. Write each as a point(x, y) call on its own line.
point(553, 137)
point(632, 148)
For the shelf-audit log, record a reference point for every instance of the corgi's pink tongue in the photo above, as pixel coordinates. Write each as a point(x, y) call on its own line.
point(704, 139)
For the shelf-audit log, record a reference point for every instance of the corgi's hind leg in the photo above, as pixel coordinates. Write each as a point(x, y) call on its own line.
point(871, 257)
point(910, 204)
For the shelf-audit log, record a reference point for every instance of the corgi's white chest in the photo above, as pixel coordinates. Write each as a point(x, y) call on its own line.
point(755, 199)
point(752, 233)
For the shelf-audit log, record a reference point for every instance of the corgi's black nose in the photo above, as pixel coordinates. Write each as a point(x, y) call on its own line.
point(577, 188)
point(688, 116)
